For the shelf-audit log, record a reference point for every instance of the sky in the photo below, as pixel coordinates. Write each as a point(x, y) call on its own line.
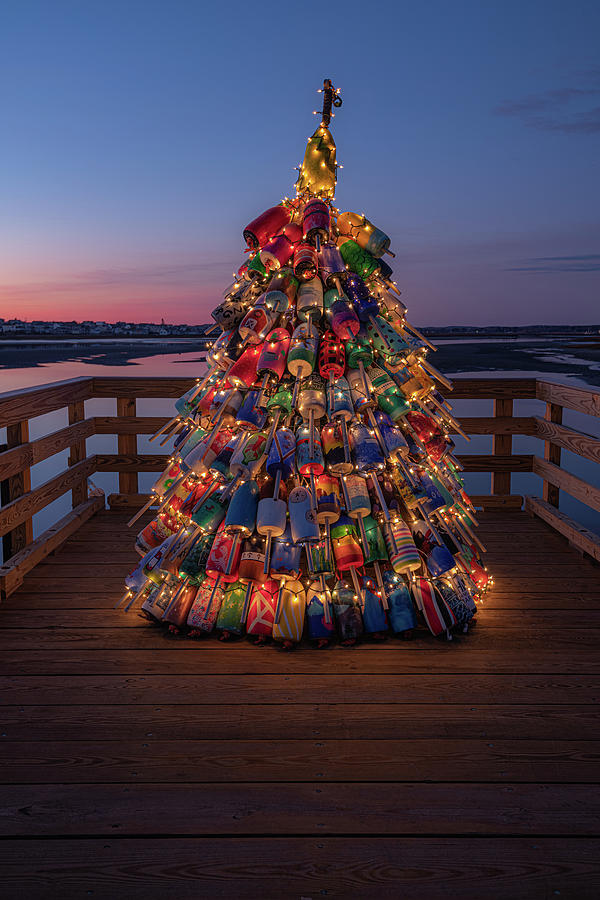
point(138, 139)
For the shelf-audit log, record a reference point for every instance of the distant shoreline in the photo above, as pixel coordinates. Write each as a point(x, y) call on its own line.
point(590, 332)
point(74, 339)
point(573, 354)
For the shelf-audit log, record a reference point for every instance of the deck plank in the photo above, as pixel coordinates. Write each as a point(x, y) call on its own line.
point(496, 868)
point(525, 640)
point(461, 769)
point(227, 761)
point(210, 656)
point(352, 687)
point(289, 808)
point(278, 721)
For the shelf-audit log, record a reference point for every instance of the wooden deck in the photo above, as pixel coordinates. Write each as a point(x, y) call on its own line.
point(141, 765)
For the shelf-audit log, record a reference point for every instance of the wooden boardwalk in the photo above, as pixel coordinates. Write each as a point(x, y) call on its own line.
point(141, 765)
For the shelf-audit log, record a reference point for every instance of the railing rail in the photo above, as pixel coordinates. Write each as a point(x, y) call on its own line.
point(19, 502)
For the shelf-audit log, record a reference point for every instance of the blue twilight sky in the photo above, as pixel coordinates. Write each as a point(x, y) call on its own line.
point(138, 138)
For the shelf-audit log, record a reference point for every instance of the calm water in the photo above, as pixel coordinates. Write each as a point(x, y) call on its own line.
point(551, 359)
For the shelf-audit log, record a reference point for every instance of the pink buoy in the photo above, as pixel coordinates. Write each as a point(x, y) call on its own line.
point(332, 356)
point(277, 252)
point(305, 262)
point(274, 352)
point(243, 372)
point(269, 223)
point(315, 224)
point(224, 557)
point(256, 324)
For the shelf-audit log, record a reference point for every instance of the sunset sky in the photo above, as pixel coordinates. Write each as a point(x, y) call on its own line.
point(139, 138)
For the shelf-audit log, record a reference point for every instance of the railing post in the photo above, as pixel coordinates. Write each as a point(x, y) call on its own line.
point(552, 453)
point(127, 445)
point(77, 452)
point(502, 446)
point(13, 487)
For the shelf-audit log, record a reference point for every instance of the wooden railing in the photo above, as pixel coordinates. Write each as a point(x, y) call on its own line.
point(20, 502)
point(556, 436)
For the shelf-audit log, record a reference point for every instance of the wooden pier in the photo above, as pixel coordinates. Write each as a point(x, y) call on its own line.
point(138, 764)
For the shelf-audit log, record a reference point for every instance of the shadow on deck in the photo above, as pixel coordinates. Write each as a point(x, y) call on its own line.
point(142, 765)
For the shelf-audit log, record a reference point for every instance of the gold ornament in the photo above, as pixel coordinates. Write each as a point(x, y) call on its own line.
point(318, 172)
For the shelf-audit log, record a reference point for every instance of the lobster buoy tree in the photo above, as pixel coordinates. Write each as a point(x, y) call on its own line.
point(312, 489)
